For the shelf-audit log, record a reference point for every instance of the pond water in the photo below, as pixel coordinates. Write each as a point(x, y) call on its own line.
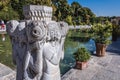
point(70, 47)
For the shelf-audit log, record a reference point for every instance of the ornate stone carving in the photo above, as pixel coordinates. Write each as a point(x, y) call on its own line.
point(51, 55)
point(18, 38)
point(36, 33)
point(37, 44)
point(63, 30)
point(36, 12)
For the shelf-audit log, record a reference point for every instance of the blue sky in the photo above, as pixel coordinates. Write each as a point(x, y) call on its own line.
point(101, 7)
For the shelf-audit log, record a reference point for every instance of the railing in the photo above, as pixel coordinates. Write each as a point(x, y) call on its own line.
point(80, 27)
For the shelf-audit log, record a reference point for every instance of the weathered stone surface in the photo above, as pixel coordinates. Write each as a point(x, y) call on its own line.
point(6, 73)
point(52, 46)
point(36, 12)
point(37, 45)
point(104, 74)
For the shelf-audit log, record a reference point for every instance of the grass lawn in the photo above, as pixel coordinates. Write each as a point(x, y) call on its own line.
point(5, 52)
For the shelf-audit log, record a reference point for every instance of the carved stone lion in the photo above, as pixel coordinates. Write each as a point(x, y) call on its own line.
point(36, 33)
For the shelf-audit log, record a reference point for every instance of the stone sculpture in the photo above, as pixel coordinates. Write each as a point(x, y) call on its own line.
point(52, 53)
point(63, 31)
point(54, 50)
point(36, 12)
point(36, 32)
point(18, 38)
point(37, 44)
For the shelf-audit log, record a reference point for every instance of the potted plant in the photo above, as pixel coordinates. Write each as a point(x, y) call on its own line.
point(101, 36)
point(81, 56)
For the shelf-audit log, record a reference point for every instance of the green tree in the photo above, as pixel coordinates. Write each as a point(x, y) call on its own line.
point(6, 11)
point(62, 11)
point(81, 14)
point(69, 20)
point(17, 5)
point(75, 7)
point(62, 8)
point(76, 10)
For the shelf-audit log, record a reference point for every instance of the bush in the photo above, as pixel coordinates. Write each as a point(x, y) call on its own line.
point(10, 14)
point(82, 55)
point(102, 32)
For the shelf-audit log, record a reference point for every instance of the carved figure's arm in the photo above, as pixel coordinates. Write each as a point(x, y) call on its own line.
point(26, 64)
point(62, 47)
point(53, 56)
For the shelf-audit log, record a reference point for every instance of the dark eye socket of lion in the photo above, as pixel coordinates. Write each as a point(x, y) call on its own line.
point(35, 31)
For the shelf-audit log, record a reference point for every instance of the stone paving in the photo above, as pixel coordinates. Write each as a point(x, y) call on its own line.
point(6, 73)
point(99, 68)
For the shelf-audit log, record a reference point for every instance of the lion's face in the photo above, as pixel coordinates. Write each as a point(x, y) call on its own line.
point(35, 31)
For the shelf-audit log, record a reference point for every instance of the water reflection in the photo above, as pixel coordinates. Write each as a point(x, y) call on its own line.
point(70, 47)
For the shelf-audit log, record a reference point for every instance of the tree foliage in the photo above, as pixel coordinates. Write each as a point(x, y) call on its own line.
point(62, 11)
point(102, 32)
point(6, 11)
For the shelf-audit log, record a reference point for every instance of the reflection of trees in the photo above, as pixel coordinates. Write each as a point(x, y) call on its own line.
point(80, 39)
point(75, 37)
point(70, 43)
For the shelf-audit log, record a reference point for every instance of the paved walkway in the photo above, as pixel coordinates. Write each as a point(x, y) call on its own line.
point(6, 73)
point(99, 68)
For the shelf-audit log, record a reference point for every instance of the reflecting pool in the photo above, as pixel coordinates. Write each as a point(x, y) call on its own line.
point(70, 47)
